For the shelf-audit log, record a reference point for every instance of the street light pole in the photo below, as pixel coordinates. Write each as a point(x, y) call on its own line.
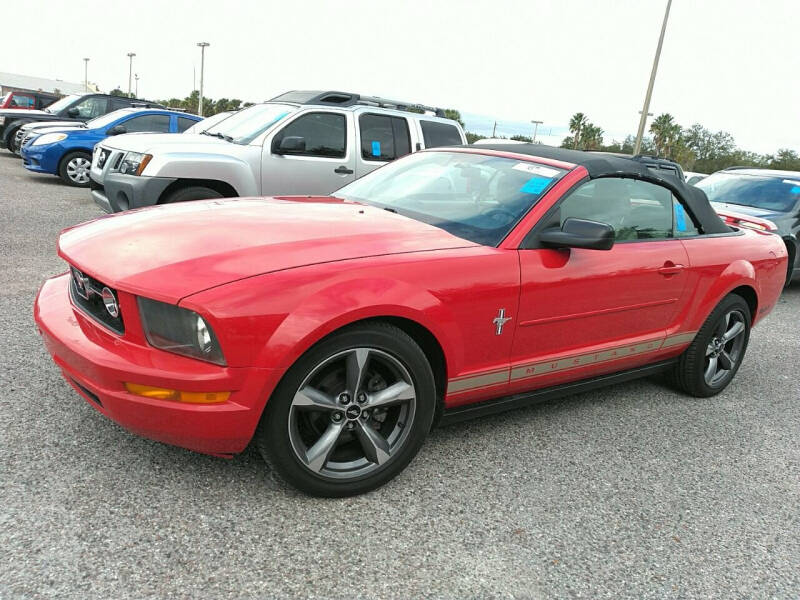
point(130, 72)
point(136, 78)
point(649, 93)
point(202, 67)
point(535, 129)
point(86, 74)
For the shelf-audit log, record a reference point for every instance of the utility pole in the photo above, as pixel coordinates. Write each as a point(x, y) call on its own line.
point(494, 129)
point(649, 93)
point(536, 128)
point(136, 78)
point(202, 67)
point(130, 72)
point(86, 74)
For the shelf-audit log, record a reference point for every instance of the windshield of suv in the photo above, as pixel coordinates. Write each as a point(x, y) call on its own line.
point(767, 192)
point(60, 104)
point(474, 196)
point(246, 125)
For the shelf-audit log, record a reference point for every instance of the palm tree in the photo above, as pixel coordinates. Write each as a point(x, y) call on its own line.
point(576, 124)
point(666, 132)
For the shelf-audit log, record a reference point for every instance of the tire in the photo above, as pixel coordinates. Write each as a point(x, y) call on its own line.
point(194, 192)
point(74, 169)
point(9, 136)
point(320, 441)
point(693, 371)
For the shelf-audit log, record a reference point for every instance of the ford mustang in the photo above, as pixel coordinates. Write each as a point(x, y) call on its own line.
point(334, 332)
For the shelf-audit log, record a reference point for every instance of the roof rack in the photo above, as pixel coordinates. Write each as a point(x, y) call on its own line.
point(334, 98)
point(735, 167)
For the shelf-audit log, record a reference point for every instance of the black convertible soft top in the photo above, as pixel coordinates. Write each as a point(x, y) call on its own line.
point(610, 165)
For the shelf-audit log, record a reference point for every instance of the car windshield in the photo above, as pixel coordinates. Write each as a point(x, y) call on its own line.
point(771, 192)
point(475, 196)
point(208, 122)
point(104, 120)
point(246, 125)
point(60, 104)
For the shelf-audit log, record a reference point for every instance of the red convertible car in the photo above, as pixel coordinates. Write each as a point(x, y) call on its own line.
point(334, 332)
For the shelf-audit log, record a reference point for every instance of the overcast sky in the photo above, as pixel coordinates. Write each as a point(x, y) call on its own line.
point(728, 64)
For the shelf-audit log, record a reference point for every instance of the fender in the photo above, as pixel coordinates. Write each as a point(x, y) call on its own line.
point(220, 167)
point(737, 274)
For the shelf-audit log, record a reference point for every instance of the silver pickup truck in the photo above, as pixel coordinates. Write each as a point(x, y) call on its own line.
point(298, 143)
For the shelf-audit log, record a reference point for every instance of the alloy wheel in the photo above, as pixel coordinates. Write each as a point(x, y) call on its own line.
point(352, 413)
point(725, 349)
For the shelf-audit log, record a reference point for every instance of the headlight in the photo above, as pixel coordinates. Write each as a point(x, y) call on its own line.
point(48, 138)
point(133, 163)
point(179, 330)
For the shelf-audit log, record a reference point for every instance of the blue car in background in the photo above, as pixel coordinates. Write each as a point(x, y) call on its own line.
point(67, 151)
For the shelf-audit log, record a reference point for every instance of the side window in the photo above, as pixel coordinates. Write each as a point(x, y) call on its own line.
point(148, 123)
point(383, 137)
point(184, 124)
point(22, 101)
point(117, 103)
point(439, 134)
point(637, 210)
point(324, 134)
point(684, 224)
point(91, 107)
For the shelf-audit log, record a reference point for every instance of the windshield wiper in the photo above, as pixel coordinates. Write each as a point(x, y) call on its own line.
point(221, 136)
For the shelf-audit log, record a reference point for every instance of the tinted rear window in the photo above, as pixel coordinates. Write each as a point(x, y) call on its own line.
point(439, 134)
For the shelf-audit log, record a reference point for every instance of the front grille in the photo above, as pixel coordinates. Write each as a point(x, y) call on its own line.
point(19, 136)
point(100, 157)
point(28, 137)
point(88, 297)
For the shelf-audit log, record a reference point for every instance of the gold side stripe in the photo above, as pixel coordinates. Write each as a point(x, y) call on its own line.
point(537, 369)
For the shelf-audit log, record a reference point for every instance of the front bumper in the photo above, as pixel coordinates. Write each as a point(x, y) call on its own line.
point(97, 363)
point(118, 192)
point(42, 159)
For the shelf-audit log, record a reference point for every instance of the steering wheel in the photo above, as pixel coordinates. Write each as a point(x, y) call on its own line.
point(501, 216)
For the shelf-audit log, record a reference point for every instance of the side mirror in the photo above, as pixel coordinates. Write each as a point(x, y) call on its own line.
point(293, 144)
point(73, 112)
point(579, 233)
point(116, 130)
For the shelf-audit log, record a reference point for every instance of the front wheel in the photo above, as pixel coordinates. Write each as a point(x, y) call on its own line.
point(708, 365)
point(74, 169)
point(194, 192)
point(351, 413)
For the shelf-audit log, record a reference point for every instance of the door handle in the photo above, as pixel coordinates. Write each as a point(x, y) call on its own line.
point(670, 268)
point(343, 171)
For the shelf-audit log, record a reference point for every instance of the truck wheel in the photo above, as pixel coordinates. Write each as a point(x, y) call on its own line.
point(194, 192)
point(74, 169)
point(708, 365)
point(10, 134)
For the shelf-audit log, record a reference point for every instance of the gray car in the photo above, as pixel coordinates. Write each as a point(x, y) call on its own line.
point(298, 143)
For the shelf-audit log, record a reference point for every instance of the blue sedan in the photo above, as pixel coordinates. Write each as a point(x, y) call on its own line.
point(67, 151)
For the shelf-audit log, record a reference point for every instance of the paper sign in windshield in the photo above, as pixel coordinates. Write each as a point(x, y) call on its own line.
point(536, 169)
point(535, 185)
point(376, 148)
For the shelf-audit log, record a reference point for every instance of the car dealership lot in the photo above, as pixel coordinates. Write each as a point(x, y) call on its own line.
point(631, 491)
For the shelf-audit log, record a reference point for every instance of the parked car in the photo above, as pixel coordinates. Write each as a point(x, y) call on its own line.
point(764, 193)
point(71, 109)
point(335, 331)
point(209, 122)
point(297, 143)
point(692, 178)
point(27, 100)
point(67, 152)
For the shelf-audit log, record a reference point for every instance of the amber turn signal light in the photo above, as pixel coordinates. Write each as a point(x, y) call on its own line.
point(149, 391)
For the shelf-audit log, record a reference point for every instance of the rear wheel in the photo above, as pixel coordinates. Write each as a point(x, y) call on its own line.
point(710, 362)
point(351, 413)
point(74, 169)
point(194, 192)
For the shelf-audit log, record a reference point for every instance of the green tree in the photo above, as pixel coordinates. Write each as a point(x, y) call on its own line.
point(576, 123)
point(474, 137)
point(452, 113)
point(117, 92)
point(666, 134)
point(521, 138)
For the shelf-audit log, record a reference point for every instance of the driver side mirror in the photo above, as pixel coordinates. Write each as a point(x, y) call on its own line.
point(116, 130)
point(579, 233)
point(73, 112)
point(292, 144)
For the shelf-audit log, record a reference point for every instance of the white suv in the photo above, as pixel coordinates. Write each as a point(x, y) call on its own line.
point(298, 143)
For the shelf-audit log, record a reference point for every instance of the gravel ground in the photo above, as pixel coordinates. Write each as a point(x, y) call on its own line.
point(629, 492)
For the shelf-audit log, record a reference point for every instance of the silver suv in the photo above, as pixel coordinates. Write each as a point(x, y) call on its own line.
point(297, 143)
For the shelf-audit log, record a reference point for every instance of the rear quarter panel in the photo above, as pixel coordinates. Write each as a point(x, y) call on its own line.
point(720, 264)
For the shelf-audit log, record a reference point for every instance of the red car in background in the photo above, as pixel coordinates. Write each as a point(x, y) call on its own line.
point(335, 331)
point(27, 100)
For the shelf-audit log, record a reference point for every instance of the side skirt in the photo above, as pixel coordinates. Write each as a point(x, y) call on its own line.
point(497, 405)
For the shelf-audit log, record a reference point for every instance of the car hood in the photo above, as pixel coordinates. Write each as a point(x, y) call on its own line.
point(41, 125)
point(22, 112)
point(170, 252)
point(149, 142)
